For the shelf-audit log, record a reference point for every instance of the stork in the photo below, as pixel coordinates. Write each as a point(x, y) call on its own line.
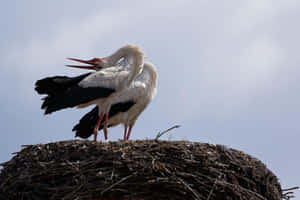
point(127, 107)
point(98, 87)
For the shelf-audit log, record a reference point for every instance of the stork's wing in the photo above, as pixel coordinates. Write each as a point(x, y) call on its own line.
point(112, 77)
point(56, 84)
point(65, 92)
point(86, 125)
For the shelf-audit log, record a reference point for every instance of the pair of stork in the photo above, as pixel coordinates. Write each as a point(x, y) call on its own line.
point(121, 86)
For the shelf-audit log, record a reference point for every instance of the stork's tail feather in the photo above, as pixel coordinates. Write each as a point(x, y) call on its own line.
point(86, 125)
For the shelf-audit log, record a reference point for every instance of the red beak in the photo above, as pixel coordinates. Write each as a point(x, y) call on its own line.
point(92, 63)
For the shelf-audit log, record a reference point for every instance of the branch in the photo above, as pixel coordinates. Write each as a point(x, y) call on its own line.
point(117, 183)
point(159, 134)
point(288, 195)
point(189, 188)
point(288, 189)
point(213, 187)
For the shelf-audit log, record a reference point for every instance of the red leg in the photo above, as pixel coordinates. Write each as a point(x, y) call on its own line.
point(97, 126)
point(125, 131)
point(129, 131)
point(105, 126)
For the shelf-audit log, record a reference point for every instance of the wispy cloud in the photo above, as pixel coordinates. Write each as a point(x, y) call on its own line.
point(250, 15)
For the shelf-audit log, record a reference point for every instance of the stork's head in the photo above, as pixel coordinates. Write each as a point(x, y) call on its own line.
point(95, 63)
point(129, 51)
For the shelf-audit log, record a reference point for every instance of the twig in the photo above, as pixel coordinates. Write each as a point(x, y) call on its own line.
point(189, 188)
point(159, 134)
point(289, 195)
point(117, 183)
point(288, 189)
point(241, 188)
point(213, 187)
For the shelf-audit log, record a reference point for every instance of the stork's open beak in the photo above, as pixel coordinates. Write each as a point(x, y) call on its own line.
point(92, 63)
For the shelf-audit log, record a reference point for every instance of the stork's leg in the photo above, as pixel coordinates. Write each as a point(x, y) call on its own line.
point(125, 131)
point(96, 129)
point(105, 126)
point(129, 131)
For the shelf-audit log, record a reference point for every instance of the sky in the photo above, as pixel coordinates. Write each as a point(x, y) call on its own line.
point(228, 71)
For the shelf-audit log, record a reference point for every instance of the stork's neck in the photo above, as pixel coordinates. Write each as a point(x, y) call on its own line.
point(114, 58)
point(133, 57)
point(136, 62)
point(149, 75)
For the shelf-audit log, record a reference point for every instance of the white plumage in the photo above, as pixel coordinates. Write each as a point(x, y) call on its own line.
point(126, 105)
point(141, 91)
point(118, 77)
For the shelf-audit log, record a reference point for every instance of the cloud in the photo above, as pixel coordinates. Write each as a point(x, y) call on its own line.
point(69, 39)
point(257, 64)
point(46, 54)
point(223, 83)
point(248, 15)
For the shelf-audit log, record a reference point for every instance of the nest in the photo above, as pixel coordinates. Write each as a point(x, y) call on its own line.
point(137, 170)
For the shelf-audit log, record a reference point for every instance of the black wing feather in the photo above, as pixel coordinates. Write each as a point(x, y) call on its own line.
point(64, 92)
point(57, 84)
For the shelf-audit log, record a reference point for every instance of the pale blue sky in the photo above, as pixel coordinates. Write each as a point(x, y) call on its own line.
point(228, 72)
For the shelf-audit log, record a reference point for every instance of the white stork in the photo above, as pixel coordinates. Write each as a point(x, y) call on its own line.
point(126, 107)
point(98, 87)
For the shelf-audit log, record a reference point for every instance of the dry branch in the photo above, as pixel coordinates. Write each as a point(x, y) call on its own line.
point(288, 193)
point(159, 134)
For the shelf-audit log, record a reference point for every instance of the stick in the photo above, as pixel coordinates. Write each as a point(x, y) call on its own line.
point(213, 187)
point(117, 183)
point(159, 134)
point(189, 188)
point(289, 195)
point(293, 188)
